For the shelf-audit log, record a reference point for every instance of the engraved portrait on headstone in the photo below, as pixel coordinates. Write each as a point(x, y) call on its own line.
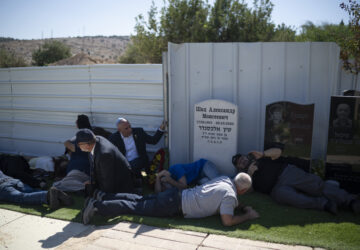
point(290, 124)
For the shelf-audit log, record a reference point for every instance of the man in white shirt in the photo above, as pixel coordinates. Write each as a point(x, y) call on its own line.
point(218, 196)
point(131, 142)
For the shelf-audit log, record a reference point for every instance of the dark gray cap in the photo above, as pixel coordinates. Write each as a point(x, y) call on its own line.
point(84, 135)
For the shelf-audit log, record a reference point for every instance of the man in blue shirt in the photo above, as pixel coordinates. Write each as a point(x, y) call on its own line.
point(182, 175)
point(13, 190)
point(78, 168)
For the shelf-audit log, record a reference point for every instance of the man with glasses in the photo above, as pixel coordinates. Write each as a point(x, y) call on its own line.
point(131, 142)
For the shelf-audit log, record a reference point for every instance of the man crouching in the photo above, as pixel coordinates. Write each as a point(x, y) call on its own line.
point(216, 196)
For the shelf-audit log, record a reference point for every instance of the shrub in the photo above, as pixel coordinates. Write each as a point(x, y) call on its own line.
point(51, 51)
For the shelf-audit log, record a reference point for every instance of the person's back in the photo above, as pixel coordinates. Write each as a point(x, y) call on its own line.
point(112, 170)
point(79, 160)
point(215, 196)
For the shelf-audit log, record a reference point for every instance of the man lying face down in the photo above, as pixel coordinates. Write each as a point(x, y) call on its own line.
point(216, 196)
point(288, 184)
point(15, 191)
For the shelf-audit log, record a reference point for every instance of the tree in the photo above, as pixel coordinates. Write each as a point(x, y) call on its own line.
point(9, 59)
point(182, 21)
point(50, 52)
point(148, 43)
point(322, 33)
point(234, 21)
point(284, 33)
point(350, 44)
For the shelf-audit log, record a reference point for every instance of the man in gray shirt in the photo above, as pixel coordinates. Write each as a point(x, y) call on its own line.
point(216, 196)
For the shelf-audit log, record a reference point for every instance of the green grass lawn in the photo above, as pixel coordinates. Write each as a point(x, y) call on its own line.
point(277, 223)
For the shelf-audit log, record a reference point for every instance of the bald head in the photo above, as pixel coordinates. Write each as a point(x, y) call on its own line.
point(243, 182)
point(124, 127)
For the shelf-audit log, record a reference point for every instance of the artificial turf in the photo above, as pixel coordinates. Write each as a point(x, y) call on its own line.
point(281, 224)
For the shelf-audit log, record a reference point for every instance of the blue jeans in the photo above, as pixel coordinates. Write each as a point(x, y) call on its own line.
point(164, 204)
point(18, 192)
point(208, 172)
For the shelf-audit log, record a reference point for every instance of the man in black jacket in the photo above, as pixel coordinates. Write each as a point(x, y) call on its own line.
point(109, 170)
point(291, 185)
point(131, 142)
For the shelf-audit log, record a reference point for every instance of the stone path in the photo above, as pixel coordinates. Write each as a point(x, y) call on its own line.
point(20, 231)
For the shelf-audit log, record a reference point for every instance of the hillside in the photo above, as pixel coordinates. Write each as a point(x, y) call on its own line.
point(102, 49)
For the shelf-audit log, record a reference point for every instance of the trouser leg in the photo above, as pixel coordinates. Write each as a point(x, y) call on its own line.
point(208, 172)
point(122, 196)
point(11, 194)
point(300, 180)
point(74, 181)
point(313, 185)
point(24, 188)
point(161, 205)
point(290, 196)
point(137, 165)
point(338, 195)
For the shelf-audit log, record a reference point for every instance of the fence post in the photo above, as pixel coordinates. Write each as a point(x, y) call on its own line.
point(165, 92)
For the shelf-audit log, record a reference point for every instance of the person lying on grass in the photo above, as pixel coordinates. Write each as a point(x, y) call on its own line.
point(290, 185)
point(216, 196)
point(13, 190)
point(182, 175)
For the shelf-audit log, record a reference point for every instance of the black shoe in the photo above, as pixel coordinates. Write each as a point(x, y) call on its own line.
point(53, 199)
point(88, 211)
point(355, 206)
point(331, 207)
point(64, 198)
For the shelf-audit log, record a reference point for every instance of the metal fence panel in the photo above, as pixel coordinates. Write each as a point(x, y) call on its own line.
point(39, 105)
point(250, 75)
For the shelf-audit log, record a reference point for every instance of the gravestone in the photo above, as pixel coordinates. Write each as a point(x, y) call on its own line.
point(351, 92)
point(343, 149)
point(290, 124)
point(215, 133)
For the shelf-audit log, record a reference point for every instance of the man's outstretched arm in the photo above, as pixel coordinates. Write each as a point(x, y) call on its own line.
point(231, 220)
point(273, 153)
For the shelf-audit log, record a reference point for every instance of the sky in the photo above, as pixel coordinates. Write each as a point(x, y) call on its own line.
point(35, 19)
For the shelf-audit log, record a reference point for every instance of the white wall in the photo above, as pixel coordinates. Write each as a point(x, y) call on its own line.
point(39, 105)
point(250, 75)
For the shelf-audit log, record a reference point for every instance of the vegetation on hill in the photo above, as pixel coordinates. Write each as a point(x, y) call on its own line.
point(50, 52)
point(9, 59)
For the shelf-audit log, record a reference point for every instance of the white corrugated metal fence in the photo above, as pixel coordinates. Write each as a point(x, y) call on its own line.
point(39, 105)
point(250, 75)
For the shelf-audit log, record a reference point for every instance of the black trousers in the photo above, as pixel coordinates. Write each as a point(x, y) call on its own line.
point(139, 164)
point(164, 204)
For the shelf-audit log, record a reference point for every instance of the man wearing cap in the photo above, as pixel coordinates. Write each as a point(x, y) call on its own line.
point(109, 170)
point(218, 196)
point(131, 142)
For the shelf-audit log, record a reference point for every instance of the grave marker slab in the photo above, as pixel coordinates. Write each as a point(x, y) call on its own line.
point(215, 133)
point(290, 124)
point(343, 149)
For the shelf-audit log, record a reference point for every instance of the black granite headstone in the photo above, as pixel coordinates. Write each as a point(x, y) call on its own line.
point(343, 150)
point(290, 124)
point(351, 92)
